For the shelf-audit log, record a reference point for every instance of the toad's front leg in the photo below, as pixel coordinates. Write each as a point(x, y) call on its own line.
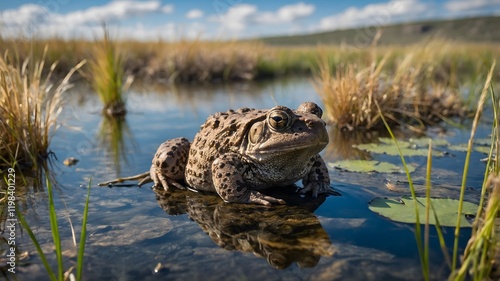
point(317, 181)
point(228, 181)
point(169, 163)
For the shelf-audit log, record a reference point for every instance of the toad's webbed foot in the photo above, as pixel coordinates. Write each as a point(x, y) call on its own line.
point(162, 181)
point(318, 188)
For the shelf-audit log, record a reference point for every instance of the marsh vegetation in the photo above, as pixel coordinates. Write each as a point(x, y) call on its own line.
point(413, 86)
point(30, 103)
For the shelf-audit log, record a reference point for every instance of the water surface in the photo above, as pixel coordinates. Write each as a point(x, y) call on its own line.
point(133, 230)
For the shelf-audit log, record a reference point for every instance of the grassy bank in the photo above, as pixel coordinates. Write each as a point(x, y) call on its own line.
point(202, 61)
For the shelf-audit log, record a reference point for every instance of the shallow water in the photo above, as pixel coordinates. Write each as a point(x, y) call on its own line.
point(132, 230)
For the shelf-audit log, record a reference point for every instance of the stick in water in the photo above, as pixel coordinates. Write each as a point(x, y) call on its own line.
point(143, 179)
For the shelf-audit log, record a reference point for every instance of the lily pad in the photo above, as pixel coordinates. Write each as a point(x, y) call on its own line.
point(483, 141)
point(402, 210)
point(425, 142)
point(367, 166)
point(463, 148)
point(413, 147)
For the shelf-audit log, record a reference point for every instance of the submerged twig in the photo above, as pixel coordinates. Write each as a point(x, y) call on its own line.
point(142, 178)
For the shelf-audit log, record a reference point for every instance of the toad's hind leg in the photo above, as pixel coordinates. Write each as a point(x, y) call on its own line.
point(169, 163)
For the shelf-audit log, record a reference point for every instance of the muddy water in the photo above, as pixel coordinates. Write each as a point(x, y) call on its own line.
point(188, 236)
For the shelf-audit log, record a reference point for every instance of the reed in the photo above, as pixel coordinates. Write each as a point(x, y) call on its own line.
point(408, 93)
point(483, 246)
point(422, 250)
point(29, 106)
point(483, 249)
point(107, 76)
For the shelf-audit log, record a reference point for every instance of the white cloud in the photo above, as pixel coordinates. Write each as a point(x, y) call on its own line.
point(238, 17)
point(286, 14)
point(374, 14)
point(467, 5)
point(238, 20)
point(167, 9)
point(23, 15)
point(115, 10)
point(32, 19)
point(194, 14)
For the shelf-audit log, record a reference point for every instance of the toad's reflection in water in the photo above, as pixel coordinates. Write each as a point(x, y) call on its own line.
point(282, 234)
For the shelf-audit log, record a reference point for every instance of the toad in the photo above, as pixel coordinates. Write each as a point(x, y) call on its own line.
point(240, 153)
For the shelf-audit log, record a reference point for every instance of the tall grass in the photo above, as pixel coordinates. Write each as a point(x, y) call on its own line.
point(107, 76)
point(484, 244)
point(409, 92)
point(477, 261)
point(29, 106)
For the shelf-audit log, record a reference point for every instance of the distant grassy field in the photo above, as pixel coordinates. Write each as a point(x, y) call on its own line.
point(470, 44)
point(203, 61)
point(480, 29)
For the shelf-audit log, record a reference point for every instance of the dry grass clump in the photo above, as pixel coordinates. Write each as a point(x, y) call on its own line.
point(29, 106)
point(408, 95)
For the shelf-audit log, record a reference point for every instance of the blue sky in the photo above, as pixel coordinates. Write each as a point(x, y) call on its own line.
point(219, 19)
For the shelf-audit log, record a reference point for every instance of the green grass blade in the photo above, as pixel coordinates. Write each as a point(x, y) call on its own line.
point(418, 230)
point(55, 231)
point(83, 236)
point(496, 106)
point(479, 110)
point(430, 206)
point(487, 171)
point(427, 206)
point(26, 227)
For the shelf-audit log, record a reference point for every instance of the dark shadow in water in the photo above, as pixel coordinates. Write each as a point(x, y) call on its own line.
point(341, 142)
point(282, 234)
point(340, 146)
point(112, 135)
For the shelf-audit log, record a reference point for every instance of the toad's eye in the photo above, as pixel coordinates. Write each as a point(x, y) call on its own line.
point(279, 120)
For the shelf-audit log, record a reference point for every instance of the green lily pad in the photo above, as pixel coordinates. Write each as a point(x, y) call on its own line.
point(482, 149)
point(424, 142)
point(413, 147)
point(389, 141)
point(402, 210)
point(463, 148)
point(367, 166)
point(391, 149)
point(458, 147)
point(483, 141)
point(421, 142)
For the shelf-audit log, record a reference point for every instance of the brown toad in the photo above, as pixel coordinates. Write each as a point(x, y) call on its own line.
point(238, 153)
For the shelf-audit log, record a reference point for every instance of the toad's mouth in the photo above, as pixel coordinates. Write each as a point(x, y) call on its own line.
point(288, 148)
